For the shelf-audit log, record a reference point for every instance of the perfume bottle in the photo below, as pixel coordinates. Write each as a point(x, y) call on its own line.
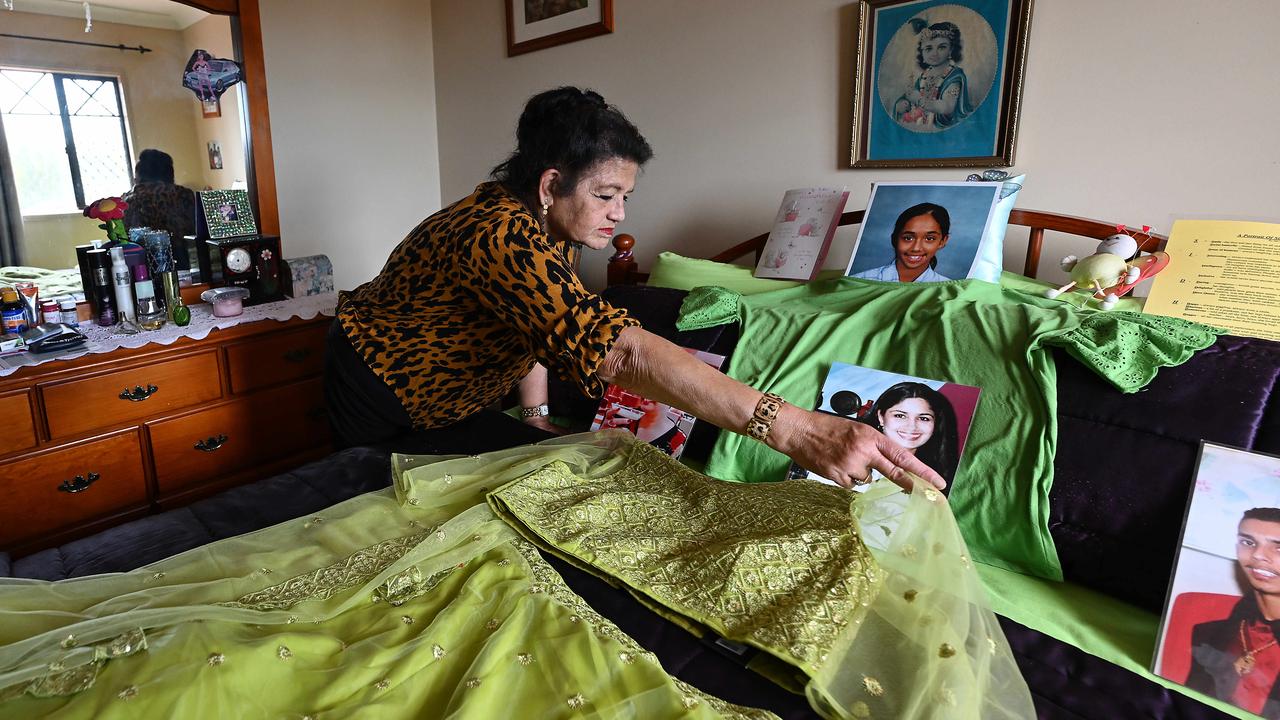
point(151, 314)
point(179, 314)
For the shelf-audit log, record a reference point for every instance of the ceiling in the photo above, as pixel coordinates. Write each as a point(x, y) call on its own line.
point(146, 13)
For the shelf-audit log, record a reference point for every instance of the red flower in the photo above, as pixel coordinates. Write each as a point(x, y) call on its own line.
point(109, 208)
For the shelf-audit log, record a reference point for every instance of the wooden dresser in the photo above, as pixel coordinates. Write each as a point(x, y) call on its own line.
point(98, 440)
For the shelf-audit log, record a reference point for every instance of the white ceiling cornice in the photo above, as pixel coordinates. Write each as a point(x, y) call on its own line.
point(162, 14)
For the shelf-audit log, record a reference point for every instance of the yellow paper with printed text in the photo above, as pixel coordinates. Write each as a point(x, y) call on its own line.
point(1223, 273)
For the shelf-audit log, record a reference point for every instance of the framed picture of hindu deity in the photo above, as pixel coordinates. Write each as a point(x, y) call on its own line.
point(938, 83)
point(537, 24)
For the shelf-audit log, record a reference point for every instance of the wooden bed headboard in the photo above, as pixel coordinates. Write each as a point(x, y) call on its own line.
point(623, 269)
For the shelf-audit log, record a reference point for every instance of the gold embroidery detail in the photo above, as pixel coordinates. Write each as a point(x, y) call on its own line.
point(129, 693)
point(690, 702)
point(216, 659)
point(504, 562)
point(407, 620)
point(440, 535)
point(908, 551)
point(562, 594)
point(437, 651)
point(576, 701)
point(492, 625)
point(991, 645)
point(946, 696)
point(946, 650)
point(157, 575)
point(781, 592)
point(964, 560)
point(414, 501)
point(535, 589)
point(524, 658)
point(860, 710)
point(931, 495)
point(447, 478)
point(68, 642)
point(382, 684)
point(325, 582)
point(872, 686)
point(126, 644)
point(69, 682)
point(472, 683)
point(292, 619)
point(284, 653)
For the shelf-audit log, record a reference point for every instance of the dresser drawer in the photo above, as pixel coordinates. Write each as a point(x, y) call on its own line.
point(78, 406)
point(62, 488)
point(19, 431)
point(207, 445)
point(279, 358)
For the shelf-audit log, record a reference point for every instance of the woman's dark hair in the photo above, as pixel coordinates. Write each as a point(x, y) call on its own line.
point(937, 212)
point(942, 451)
point(570, 130)
point(153, 166)
point(946, 30)
point(1265, 514)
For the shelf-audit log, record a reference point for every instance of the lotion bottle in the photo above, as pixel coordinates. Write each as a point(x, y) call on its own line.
point(123, 281)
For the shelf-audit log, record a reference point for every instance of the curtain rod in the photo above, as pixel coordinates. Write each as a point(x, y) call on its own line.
point(122, 48)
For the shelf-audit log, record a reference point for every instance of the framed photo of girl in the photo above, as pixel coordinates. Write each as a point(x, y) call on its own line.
point(538, 24)
point(938, 83)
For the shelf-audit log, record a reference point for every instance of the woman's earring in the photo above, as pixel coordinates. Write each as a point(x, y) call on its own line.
point(545, 207)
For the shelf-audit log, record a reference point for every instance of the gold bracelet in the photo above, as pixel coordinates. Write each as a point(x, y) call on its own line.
point(761, 421)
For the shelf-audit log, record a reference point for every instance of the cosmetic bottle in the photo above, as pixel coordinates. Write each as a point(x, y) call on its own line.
point(103, 292)
point(13, 313)
point(123, 283)
point(151, 314)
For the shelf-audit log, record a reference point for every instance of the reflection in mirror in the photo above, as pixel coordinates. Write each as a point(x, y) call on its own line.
point(77, 116)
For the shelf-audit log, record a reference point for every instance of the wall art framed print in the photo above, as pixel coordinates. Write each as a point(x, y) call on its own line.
point(938, 83)
point(538, 24)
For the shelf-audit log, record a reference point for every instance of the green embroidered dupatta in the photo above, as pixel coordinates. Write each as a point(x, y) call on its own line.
point(420, 601)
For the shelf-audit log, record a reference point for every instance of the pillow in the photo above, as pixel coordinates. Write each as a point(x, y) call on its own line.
point(989, 262)
point(683, 273)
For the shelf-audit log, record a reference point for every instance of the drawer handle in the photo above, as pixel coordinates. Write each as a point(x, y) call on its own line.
point(297, 355)
point(80, 484)
point(211, 444)
point(138, 393)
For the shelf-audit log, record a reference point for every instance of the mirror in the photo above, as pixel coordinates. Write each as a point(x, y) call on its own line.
point(77, 115)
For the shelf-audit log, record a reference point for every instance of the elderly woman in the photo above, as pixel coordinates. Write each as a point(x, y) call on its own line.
point(482, 295)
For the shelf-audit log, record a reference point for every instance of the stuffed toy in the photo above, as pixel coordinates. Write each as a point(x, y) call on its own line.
point(1113, 269)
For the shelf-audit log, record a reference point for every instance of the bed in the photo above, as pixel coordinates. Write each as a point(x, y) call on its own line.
point(1115, 539)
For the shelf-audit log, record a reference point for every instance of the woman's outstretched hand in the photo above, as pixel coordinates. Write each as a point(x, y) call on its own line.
point(843, 450)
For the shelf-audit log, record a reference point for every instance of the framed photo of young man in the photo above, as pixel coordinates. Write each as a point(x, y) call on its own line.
point(938, 83)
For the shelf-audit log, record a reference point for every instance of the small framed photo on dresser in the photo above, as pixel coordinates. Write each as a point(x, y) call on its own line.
point(227, 213)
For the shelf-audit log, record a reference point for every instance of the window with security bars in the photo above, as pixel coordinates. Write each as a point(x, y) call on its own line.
point(67, 138)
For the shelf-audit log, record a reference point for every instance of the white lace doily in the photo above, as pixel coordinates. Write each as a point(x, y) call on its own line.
point(105, 340)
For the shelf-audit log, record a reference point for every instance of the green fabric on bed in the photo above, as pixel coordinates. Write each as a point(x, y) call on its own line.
point(964, 331)
point(684, 273)
point(1099, 625)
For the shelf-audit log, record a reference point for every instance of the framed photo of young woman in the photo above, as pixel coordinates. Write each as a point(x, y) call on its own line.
point(537, 24)
point(938, 83)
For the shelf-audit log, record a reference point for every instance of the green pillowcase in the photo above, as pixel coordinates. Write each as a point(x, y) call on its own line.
point(684, 273)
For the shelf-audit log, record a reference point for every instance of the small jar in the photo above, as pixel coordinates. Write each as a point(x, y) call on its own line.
point(50, 312)
point(69, 313)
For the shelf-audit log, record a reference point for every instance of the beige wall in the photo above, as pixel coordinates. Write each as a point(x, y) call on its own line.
point(353, 126)
point(1135, 112)
point(214, 34)
point(157, 107)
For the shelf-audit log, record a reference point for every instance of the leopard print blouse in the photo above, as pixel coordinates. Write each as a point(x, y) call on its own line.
point(465, 305)
point(161, 206)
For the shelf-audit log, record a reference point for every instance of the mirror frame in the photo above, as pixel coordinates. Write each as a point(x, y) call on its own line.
point(246, 33)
